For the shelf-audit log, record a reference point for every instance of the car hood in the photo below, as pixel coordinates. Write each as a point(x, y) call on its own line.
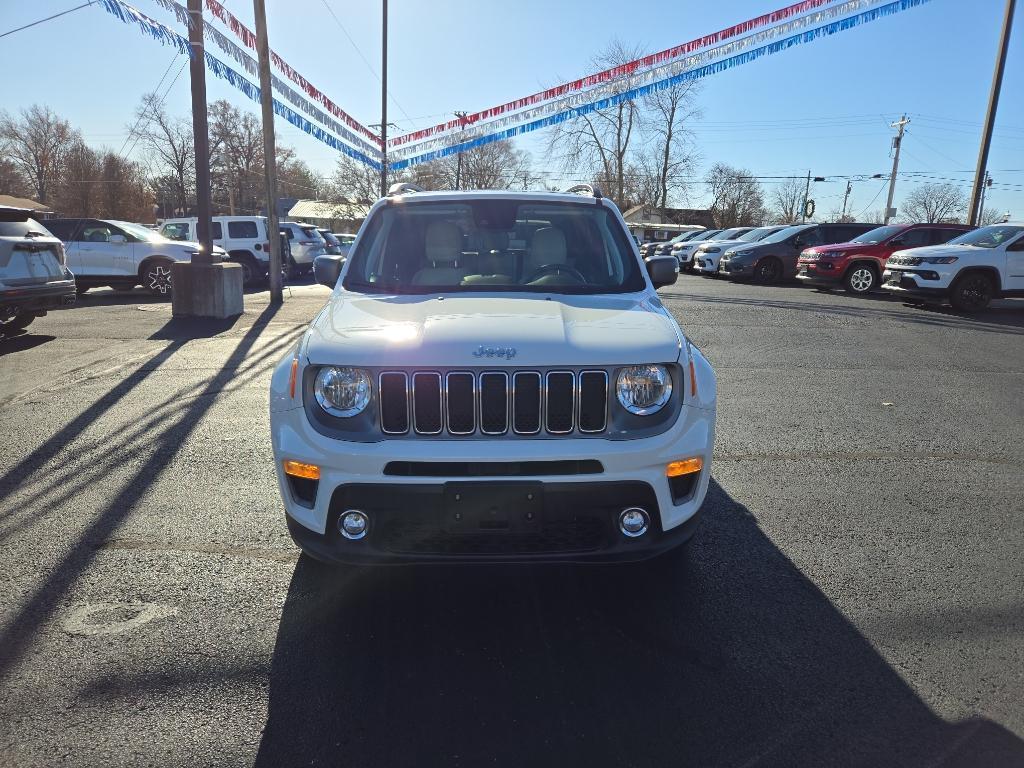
point(937, 250)
point(492, 330)
point(722, 243)
point(842, 247)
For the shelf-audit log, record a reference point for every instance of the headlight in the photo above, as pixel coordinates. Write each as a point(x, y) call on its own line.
point(342, 392)
point(643, 389)
point(940, 259)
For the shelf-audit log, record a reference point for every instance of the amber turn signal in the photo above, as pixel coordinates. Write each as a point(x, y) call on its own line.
point(684, 467)
point(291, 380)
point(298, 469)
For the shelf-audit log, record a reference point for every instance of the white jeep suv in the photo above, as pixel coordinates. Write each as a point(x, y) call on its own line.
point(492, 379)
point(969, 270)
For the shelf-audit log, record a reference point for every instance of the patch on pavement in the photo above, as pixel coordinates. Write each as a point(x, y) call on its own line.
point(114, 618)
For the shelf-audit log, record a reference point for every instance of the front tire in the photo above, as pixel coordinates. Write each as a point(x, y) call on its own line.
point(860, 279)
point(972, 292)
point(768, 271)
point(156, 278)
point(16, 322)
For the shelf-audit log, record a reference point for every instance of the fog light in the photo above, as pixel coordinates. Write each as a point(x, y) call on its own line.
point(633, 522)
point(353, 524)
point(684, 467)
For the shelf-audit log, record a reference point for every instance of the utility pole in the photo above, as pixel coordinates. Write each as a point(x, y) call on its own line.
point(896, 143)
point(981, 204)
point(384, 103)
point(269, 151)
point(846, 197)
point(458, 165)
point(200, 133)
point(807, 193)
point(990, 118)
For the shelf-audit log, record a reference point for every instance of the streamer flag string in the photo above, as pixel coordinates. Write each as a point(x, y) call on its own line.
point(248, 39)
point(642, 78)
point(166, 36)
point(615, 72)
point(746, 57)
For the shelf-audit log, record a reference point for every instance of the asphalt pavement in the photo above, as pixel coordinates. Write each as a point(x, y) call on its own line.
point(854, 596)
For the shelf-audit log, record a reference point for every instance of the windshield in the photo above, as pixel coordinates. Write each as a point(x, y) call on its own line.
point(786, 233)
point(756, 234)
point(988, 237)
point(494, 245)
point(878, 235)
point(730, 234)
point(331, 239)
point(706, 235)
point(140, 232)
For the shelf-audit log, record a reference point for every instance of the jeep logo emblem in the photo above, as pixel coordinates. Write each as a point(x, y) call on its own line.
point(506, 352)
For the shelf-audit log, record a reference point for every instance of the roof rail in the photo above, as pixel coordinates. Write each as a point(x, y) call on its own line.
point(591, 189)
point(403, 187)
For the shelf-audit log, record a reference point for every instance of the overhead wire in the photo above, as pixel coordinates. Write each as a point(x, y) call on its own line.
point(48, 18)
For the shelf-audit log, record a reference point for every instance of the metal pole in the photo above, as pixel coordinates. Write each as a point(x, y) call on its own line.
point(981, 204)
point(897, 143)
point(807, 194)
point(384, 103)
point(846, 197)
point(269, 151)
point(990, 118)
point(200, 133)
point(458, 166)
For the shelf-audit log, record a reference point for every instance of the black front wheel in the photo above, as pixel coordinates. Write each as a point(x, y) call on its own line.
point(972, 292)
point(12, 321)
point(768, 271)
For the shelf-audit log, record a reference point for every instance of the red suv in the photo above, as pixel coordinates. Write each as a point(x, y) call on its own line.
point(858, 264)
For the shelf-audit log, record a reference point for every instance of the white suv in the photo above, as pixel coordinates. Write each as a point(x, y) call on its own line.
point(969, 270)
point(244, 238)
point(120, 254)
point(306, 243)
point(493, 378)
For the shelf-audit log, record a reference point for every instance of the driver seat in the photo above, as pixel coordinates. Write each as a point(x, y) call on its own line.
point(548, 249)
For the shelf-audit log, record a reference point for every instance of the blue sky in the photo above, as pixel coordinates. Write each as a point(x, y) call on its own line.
point(825, 106)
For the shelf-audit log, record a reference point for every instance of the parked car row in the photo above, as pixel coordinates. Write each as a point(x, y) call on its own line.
point(969, 267)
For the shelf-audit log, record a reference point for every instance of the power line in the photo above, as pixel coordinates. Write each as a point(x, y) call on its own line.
point(361, 56)
point(48, 18)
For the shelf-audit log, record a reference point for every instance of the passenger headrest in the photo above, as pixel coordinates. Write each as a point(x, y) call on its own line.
point(443, 242)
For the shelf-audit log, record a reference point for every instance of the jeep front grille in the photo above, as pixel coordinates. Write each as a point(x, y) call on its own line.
point(489, 403)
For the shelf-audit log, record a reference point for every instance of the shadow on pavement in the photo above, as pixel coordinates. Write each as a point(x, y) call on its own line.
point(723, 655)
point(23, 342)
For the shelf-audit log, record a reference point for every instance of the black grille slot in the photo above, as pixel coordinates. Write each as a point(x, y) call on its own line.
point(426, 403)
point(493, 468)
point(493, 403)
point(593, 401)
point(560, 404)
point(394, 403)
point(460, 402)
point(526, 403)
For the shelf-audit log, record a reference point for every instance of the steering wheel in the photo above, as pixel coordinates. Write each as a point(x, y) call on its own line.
point(555, 269)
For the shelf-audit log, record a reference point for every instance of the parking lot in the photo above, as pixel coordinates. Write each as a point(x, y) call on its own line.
point(853, 596)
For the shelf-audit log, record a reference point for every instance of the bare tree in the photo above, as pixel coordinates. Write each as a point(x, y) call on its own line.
point(497, 165)
point(12, 180)
point(736, 197)
point(36, 144)
point(79, 188)
point(355, 181)
point(991, 216)
point(787, 201)
point(671, 111)
point(170, 153)
point(930, 203)
point(600, 141)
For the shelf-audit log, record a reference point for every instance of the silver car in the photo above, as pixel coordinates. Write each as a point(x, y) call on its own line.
point(306, 244)
point(34, 277)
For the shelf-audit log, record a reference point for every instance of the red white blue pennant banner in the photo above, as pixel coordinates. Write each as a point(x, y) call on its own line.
point(167, 36)
point(615, 72)
point(745, 57)
point(248, 39)
point(643, 77)
point(251, 67)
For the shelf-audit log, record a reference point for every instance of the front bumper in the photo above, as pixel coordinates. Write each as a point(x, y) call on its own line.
point(812, 274)
point(705, 264)
point(910, 282)
point(53, 295)
point(731, 268)
point(578, 513)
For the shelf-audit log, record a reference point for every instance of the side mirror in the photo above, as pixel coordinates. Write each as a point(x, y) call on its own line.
point(119, 239)
point(327, 269)
point(663, 270)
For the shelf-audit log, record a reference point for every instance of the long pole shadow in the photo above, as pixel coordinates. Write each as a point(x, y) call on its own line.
point(23, 624)
point(724, 655)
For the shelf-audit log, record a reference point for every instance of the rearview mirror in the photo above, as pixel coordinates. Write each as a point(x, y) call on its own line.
point(663, 270)
point(327, 269)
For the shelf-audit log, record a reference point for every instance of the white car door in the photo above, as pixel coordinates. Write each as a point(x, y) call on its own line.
point(94, 250)
point(1015, 265)
point(122, 253)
